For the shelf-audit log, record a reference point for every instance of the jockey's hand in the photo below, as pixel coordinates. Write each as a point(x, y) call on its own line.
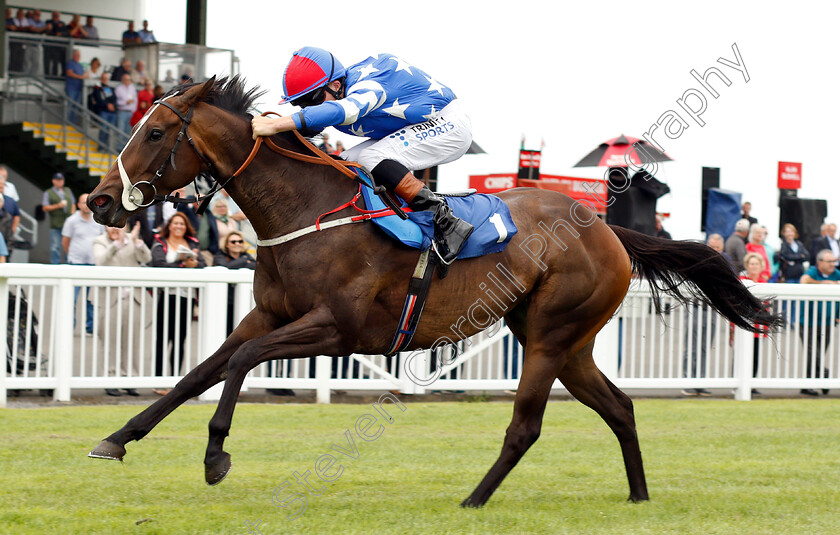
point(268, 126)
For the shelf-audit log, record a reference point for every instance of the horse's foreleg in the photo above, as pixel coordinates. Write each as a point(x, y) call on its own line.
point(313, 334)
point(198, 380)
point(586, 383)
point(534, 387)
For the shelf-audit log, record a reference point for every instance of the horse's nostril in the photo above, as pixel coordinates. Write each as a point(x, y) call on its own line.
point(100, 200)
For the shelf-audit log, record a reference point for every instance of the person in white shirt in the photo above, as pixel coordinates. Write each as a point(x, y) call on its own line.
point(77, 237)
point(126, 95)
point(11, 190)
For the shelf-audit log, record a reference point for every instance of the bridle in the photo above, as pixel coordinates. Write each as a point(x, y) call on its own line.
point(133, 198)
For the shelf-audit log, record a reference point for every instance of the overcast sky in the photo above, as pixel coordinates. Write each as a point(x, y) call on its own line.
point(577, 74)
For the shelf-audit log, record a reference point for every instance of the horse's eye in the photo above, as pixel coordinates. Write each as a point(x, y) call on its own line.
point(155, 135)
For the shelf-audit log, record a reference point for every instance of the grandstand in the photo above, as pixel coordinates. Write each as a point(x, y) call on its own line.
point(37, 140)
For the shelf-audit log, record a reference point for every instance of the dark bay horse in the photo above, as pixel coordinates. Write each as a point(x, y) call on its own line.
point(341, 291)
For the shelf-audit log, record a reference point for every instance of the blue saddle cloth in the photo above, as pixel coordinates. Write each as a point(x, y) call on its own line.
point(489, 215)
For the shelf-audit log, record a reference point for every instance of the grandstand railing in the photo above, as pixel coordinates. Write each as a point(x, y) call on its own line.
point(637, 349)
point(33, 99)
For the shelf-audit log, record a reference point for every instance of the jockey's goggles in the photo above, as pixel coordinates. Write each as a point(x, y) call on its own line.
point(313, 98)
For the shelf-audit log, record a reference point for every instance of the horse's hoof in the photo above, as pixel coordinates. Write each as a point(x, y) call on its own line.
point(471, 503)
point(638, 499)
point(108, 450)
point(214, 473)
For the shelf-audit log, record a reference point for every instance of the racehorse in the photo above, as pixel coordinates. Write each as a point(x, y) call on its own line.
point(341, 291)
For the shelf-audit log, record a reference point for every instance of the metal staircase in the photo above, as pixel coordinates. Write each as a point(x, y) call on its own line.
point(38, 139)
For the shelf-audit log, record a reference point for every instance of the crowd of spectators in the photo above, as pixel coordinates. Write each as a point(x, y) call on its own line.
point(755, 261)
point(133, 97)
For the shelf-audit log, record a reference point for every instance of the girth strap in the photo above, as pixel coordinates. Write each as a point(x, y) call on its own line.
point(415, 300)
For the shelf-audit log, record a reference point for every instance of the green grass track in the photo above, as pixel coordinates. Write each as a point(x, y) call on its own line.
point(713, 466)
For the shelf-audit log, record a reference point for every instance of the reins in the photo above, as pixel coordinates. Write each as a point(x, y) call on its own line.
point(319, 158)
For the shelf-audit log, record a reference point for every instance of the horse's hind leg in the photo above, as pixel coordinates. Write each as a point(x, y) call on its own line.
point(202, 377)
point(538, 375)
point(585, 382)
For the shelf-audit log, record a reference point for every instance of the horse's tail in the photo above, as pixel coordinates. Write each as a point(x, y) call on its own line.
point(692, 271)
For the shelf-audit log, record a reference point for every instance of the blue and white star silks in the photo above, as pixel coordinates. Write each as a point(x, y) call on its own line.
point(384, 94)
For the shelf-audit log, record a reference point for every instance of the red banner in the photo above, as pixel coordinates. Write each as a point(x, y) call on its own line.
point(530, 158)
point(493, 183)
point(790, 175)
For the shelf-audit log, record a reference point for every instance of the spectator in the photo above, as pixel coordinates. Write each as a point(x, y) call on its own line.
point(755, 244)
point(169, 78)
point(145, 97)
point(827, 240)
point(126, 95)
point(54, 55)
point(59, 203)
point(224, 224)
point(158, 216)
point(123, 68)
point(103, 102)
point(339, 148)
point(11, 190)
point(325, 144)
point(32, 61)
point(77, 237)
point(820, 317)
point(715, 241)
point(208, 235)
point(77, 31)
point(118, 248)
point(21, 23)
point(94, 70)
point(17, 49)
point(158, 92)
point(175, 247)
point(4, 251)
point(91, 30)
point(755, 267)
point(10, 214)
point(235, 213)
point(139, 75)
point(746, 208)
point(792, 256)
point(660, 231)
point(736, 244)
point(32, 54)
point(73, 84)
point(130, 37)
point(146, 35)
point(770, 253)
point(233, 256)
point(701, 326)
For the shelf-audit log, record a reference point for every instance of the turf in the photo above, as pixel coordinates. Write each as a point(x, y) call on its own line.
point(713, 466)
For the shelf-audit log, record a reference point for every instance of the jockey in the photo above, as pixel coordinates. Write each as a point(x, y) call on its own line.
point(413, 122)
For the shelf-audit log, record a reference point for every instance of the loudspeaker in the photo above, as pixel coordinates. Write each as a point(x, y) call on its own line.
point(635, 209)
point(711, 179)
point(805, 214)
point(634, 206)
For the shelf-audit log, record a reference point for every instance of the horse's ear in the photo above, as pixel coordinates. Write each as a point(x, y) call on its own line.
point(197, 93)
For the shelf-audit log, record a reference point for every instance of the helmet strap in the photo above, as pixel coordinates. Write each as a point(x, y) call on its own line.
point(336, 94)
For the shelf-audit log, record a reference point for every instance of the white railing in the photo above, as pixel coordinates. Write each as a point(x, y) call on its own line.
point(135, 315)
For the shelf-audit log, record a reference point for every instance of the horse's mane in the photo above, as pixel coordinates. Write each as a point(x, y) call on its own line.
point(227, 93)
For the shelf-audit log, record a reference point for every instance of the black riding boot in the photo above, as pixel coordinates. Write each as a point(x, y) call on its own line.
point(451, 233)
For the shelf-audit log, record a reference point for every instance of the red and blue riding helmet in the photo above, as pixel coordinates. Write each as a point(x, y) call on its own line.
point(309, 69)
